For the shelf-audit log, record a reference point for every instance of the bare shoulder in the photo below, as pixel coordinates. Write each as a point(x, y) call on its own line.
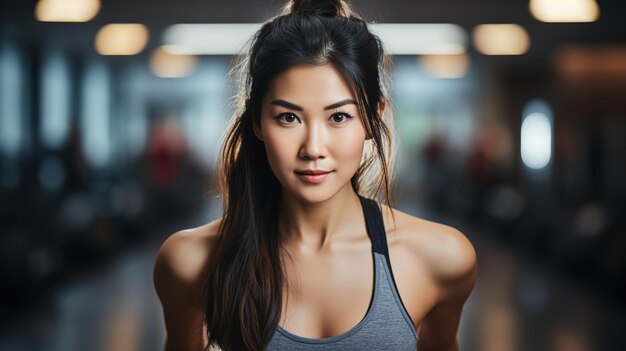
point(178, 275)
point(182, 258)
point(447, 253)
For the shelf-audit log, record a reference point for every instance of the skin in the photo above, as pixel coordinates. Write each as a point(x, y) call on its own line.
point(323, 231)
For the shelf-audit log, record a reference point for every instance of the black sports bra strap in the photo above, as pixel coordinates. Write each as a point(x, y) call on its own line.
point(375, 225)
point(376, 230)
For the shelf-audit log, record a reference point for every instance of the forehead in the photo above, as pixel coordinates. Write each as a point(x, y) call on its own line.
point(311, 84)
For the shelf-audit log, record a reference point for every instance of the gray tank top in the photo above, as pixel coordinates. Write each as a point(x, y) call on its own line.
point(386, 324)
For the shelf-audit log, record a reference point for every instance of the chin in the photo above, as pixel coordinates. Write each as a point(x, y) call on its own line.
point(315, 194)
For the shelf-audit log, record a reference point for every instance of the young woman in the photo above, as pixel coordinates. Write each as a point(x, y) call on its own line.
point(304, 257)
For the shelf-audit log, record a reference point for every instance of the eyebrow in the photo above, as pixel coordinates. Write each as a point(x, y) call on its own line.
point(292, 106)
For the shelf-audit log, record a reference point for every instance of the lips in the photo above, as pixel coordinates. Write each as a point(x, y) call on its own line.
point(313, 176)
point(312, 172)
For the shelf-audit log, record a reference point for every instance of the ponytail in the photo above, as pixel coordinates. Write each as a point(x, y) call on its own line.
point(319, 7)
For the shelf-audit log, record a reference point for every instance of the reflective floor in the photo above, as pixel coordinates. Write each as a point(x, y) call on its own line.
point(516, 305)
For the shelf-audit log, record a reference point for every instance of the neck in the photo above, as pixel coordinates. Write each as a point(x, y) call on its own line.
point(314, 227)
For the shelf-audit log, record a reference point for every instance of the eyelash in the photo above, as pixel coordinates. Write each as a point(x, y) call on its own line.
point(348, 116)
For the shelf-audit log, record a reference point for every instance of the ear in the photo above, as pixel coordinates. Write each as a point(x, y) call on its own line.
point(382, 104)
point(256, 128)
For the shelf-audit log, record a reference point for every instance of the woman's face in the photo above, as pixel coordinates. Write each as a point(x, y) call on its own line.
point(310, 122)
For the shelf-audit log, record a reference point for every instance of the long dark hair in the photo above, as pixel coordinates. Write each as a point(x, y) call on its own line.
point(243, 300)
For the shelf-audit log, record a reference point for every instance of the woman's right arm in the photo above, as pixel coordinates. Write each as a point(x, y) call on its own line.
point(178, 274)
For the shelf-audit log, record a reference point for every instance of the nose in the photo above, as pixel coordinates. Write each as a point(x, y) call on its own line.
point(314, 145)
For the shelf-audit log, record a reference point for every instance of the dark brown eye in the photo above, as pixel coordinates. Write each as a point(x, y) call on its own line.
point(286, 117)
point(340, 117)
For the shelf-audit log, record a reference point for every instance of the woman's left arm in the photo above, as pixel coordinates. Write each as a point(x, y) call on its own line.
point(454, 269)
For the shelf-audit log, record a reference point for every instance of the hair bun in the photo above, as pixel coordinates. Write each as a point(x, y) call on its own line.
point(327, 7)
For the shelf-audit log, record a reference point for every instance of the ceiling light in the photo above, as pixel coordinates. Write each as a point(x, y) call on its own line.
point(66, 10)
point(501, 39)
point(121, 39)
point(421, 39)
point(565, 10)
point(445, 66)
point(208, 39)
point(165, 64)
point(397, 38)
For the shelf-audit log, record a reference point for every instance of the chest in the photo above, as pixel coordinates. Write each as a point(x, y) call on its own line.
point(328, 295)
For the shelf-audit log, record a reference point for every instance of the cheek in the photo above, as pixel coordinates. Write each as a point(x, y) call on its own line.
point(348, 146)
point(278, 148)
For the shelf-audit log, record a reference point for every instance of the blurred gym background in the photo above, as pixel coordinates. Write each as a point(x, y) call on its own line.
point(511, 116)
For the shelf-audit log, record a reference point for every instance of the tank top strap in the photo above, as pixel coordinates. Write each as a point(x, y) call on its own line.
point(376, 230)
point(375, 225)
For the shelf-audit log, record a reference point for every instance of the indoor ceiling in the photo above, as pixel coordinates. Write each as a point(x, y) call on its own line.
point(18, 20)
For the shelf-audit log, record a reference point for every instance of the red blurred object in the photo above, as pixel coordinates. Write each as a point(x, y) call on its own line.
point(165, 151)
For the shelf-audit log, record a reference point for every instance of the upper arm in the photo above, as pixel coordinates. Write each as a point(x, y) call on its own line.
point(454, 269)
point(178, 275)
